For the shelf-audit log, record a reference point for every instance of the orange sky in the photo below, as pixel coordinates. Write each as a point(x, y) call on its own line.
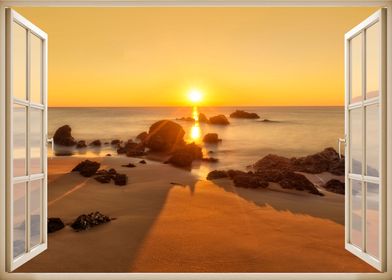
point(235, 56)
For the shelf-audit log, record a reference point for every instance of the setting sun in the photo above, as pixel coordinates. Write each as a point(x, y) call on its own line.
point(195, 95)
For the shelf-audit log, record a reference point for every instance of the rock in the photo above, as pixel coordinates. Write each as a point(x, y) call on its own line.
point(104, 179)
point(272, 161)
point(121, 150)
point(136, 152)
point(211, 138)
point(120, 179)
point(203, 118)
point(81, 144)
point(219, 119)
point(271, 175)
point(115, 142)
point(299, 182)
point(335, 186)
point(106, 143)
point(63, 136)
point(143, 161)
point(87, 168)
point(96, 143)
point(129, 165)
point(326, 161)
point(187, 119)
point(233, 173)
point(164, 136)
point(108, 155)
point(217, 174)
point(142, 136)
point(210, 159)
point(184, 156)
point(55, 224)
point(240, 114)
point(249, 181)
point(84, 222)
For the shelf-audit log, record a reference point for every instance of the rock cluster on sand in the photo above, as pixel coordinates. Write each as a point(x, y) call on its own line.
point(211, 138)
point(55, 224)
point(240, 114)
point(335, 186)
point(84, 222)
point(105, 176)
point(326, 161)
point(63, 136)
point(87, 168)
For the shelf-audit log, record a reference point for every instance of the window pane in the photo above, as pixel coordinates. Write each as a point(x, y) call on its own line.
point(19, 67)
point(36, 141)
point(19, 219)
point(356, 213)
point(19, 135)
point(373, 60)
point(356, 141)
point(36, 69)
point(35, 212)
point(356, 68)
point(372, 140)
point(372, 219)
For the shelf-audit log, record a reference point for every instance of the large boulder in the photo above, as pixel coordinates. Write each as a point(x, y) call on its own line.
point(240, 114)
point(164, 136)
point(142, 136)
point(219, 119)
point(63, 136)
point(87, 168)
point(203, 118)
point(184, 156)
point(212, 138)
point(335, 186)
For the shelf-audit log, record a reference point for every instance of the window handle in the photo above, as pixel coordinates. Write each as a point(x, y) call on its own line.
point(340, 141)
point(50, 141)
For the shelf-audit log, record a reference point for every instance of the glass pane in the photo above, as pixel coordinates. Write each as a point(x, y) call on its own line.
point(35, 212)
point(372, 219)
point(19, 67)
point(356, 141)
point(356, 68)
point(373, 60)
point(19, 135)
point(36, 141)
point(356, 213)
point(19, 219)
point(372, 140)
point(36, 69)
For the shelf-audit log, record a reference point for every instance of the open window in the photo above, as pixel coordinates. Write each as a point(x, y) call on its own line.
point(365, 112)
point(26, 134)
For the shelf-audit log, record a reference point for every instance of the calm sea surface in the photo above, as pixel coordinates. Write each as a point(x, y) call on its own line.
point(293, 131)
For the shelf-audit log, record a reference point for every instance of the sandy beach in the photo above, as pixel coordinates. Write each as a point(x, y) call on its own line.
point(190, 226)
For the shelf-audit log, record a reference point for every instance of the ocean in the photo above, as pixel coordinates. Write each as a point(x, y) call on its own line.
point(291, 131)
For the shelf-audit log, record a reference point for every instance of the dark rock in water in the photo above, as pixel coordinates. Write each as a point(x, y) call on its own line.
point(120, 179)
point(130, 165)
point(142, 136)
point(210, 159)
point(219, 119)
point(335, 186)
point(63, 136)
point(115, 142)
point(164, 136)
point(184, 156)
point(210, 152)
point(233, 173)
point(143, 161)
point(121, 150)
point(187, 119)
point(325, 161)
point(240, 114)
point(81, 144)
point(96, 143)
point(84, 222)
point(55, 224)
point(108, 155)
point(106, 143)
point(104, 179)
point(203, 118)
point(87, 168)
point(136, 152)
point(249, 181)
point(272, 161)
point(299, 182)
point(211, 138)
point(217, 174)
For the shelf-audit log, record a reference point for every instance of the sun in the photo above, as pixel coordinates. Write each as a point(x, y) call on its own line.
point(195, 95)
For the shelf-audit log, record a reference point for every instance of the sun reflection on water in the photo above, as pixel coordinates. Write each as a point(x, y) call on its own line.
point(195, 130)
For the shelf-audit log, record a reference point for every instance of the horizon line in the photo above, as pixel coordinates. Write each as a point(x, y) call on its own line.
point(176, 106)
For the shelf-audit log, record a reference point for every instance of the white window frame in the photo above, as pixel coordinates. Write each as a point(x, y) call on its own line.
point(193, 3)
